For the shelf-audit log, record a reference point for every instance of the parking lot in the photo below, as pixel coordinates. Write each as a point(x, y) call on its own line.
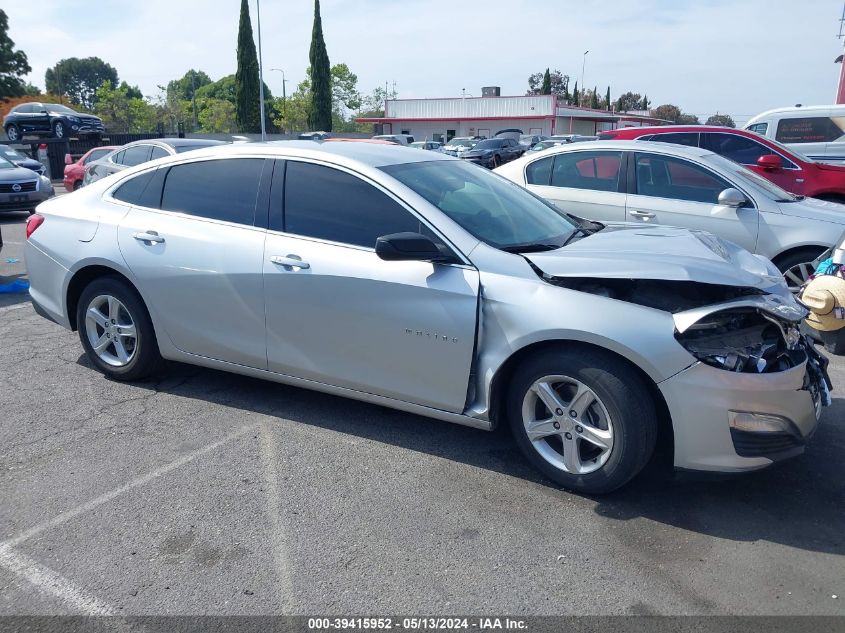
point(209, 493)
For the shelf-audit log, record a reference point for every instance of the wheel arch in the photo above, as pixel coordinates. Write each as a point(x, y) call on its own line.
point(797, 249)
point(84, 276)
point(501, 379)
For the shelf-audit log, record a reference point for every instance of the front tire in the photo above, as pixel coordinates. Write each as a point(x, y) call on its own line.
point(583, 418)
point(13, 133)
point(798, 266)
point(116, 330)
point(59, 129)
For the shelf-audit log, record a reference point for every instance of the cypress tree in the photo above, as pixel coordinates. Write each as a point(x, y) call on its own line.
point(546, 89)
point(576, 101)
point(594, 100)
point(247, 96)
point(607, 100)
point(320, 113)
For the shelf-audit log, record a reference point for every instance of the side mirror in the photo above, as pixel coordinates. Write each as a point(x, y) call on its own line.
point(733, 198)
point(398, 247)
point(770, 162)
point(68, 159)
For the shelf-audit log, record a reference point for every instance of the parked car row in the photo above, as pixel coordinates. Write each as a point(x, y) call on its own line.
point(589, 336)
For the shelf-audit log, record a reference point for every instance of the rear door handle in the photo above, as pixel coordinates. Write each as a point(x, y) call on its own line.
point(290, 261)
point(643, 215)
point(149, 236)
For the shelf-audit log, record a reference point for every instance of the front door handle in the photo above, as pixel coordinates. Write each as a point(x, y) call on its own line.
point(290, 261)
point(149, 236)
point(643, 215)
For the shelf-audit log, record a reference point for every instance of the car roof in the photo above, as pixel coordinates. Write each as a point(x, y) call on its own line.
point(667, 148)
point(370, 154)
point(792, 109)
point(654, 129)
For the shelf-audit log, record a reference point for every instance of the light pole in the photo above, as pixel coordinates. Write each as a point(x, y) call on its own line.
point(583, 66)
point(260, 73)
point(284, 92)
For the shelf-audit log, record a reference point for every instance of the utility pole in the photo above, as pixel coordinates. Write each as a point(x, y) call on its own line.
point(284, 92)
point(260, 73)
point(583, 66)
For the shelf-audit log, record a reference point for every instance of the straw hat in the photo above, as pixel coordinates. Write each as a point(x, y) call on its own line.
point(825, 297)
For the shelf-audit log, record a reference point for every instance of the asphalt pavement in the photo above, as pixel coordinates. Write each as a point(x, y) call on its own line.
point(208, 493)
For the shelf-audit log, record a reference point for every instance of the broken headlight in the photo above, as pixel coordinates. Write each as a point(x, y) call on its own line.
point(744, 340)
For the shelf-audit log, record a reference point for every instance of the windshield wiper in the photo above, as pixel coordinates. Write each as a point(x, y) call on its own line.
point(530, 248)
point(575, 234)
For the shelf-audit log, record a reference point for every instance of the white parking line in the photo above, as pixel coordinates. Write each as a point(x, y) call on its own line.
point(52, 583)
point(140, 481)
point(269, 462)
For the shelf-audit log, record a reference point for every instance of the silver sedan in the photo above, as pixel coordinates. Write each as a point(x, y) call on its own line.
point(416, 281)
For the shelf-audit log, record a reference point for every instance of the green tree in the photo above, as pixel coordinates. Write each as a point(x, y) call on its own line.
point(721, 119)
point(133, 92)
point(688, 119)
point(575, 96)
point(607, 103)
point(628, 101)
point(557, 80)
point(186, 86)
point(546, 88)
point(594, 99)
point(320, 113)
point(668, 112)
point(13, 64)
point(79, 79)
point(217, 116)
point(122, 112)
point(223, 88)
point(247, 92)
point(645, 104)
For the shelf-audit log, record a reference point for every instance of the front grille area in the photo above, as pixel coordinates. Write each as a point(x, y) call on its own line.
point(8, 187)
point(763, 444)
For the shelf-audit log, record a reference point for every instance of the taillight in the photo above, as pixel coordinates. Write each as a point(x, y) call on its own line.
point(32, 223)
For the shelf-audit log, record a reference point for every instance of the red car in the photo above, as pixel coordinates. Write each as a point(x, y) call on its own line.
point(762, 155)
point(74, 172)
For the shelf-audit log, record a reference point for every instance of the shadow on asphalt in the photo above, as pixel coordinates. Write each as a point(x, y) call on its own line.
point(799, 503)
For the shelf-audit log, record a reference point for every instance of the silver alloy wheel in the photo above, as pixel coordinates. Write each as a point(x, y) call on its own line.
point(111, 331)
point(60, 130)
point(796, 276)
point(12, 133)
point(568, 424)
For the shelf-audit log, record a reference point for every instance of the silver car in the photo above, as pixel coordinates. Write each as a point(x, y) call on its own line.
point(416, 281)
point(677, 185)
point(139, 152)
point(21, 189)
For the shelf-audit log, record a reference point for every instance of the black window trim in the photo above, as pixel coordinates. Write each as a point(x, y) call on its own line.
point(260, 216)
point(274, 209)
point(632, 178)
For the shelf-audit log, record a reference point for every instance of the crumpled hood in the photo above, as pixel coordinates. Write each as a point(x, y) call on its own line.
point(633, 251)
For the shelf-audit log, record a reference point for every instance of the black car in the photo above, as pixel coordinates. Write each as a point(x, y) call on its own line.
point(493, 152)
point(49, 119)
point(21, 160)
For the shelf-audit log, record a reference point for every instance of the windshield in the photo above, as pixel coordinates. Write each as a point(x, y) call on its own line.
point(52, 107)
point(770, 188)
point(462, 142)
point(543, 145)
point(11, 154)
point(490, 143)
point(494, 210)
point(4, 164)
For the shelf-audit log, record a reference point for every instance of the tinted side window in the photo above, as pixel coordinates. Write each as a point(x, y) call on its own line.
point(158, 152)
point(598, 171)
point(118, 158)
point(539, 172)
point(136, 155)
point(215, 189)
point(330, 204)
point(97, 154)
point(758, 128)
point(667, 177)
point(808, 130)
point(679, 138)
point(131, 190)
point(740, 149)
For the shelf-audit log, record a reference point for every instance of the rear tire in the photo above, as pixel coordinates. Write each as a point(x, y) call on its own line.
point(798, 266)
point(605, 416)
point(77, 185)
point(13, 133)
point(116, 330)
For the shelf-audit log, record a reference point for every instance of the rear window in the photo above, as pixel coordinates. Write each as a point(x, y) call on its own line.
point(810, 130)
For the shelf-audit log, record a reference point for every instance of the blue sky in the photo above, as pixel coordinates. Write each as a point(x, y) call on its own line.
point(735, 56)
